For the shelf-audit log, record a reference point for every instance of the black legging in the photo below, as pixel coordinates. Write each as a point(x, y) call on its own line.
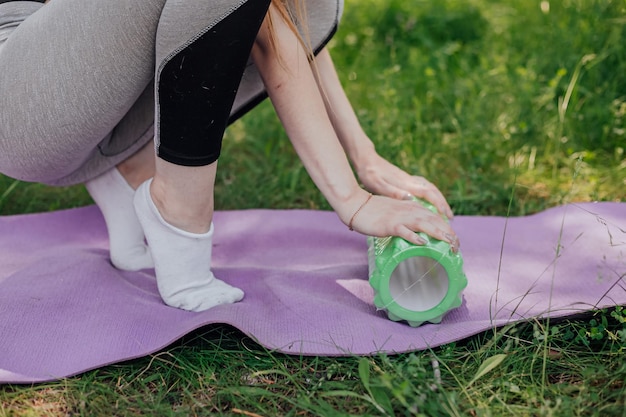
point(196, 87)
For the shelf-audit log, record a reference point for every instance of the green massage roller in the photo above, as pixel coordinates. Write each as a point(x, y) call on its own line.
point(415, 283)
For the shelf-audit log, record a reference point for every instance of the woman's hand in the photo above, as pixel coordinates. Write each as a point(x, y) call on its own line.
point(380, 176)
point(384, 216)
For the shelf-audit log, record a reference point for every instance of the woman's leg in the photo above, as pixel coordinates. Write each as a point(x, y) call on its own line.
point(198, 73)
point(95, 63)
point(77, 75)
point(71, 73)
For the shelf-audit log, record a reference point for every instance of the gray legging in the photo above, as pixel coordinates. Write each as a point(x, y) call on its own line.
point(77, 81)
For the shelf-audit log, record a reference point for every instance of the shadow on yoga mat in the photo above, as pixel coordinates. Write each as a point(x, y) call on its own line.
point(65, 310)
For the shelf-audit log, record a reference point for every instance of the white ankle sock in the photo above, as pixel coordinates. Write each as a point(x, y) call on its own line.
point(114, 197)
point(182, 260)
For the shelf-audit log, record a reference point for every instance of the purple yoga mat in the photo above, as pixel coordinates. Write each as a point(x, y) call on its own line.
point(64, 309)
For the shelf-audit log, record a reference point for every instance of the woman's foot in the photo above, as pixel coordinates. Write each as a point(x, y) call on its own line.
point(114, 197)
point(182, 260)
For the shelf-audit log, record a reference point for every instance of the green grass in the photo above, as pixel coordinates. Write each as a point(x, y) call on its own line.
point(511, 108)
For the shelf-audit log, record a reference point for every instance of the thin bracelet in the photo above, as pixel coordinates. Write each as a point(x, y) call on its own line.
point(369, 197)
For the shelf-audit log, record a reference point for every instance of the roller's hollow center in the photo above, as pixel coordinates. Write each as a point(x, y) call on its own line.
point(418, 283)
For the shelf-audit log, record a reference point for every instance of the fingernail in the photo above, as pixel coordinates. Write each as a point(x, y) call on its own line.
point(420, 240)
point(453, 241)
point(408, 196)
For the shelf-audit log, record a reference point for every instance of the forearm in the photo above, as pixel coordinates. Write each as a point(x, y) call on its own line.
point(291, 85)
point(377, 174)
point(353, 139)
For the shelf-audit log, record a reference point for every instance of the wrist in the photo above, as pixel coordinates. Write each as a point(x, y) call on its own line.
point(360, 151)
point(348, 208)
point(358, 210)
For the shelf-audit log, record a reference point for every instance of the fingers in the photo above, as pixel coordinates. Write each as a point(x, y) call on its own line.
point(433, 225)
point(422, 188)
point(398, 193)
point(423, 220)
point(410, 236)
point(383, 178)
point(392, 217)
point(419, 187)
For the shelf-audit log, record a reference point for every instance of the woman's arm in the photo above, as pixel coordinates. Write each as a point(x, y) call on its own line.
point(375, 172)
point(294, 92)
point(347, 127)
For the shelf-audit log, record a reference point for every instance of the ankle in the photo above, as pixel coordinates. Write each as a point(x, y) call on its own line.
point(191, 215)
point(139, 167)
